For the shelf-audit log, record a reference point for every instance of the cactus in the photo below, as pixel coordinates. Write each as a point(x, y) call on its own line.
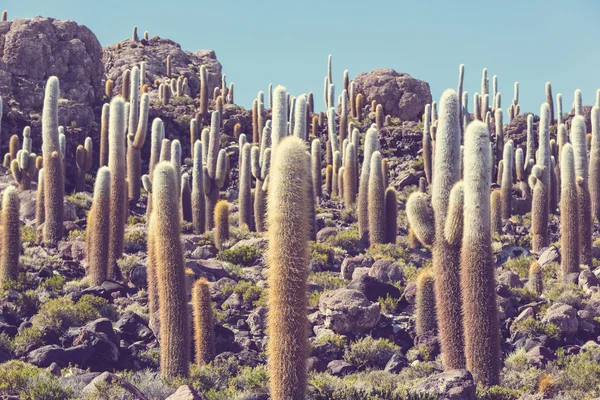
point(360, 104)
point(216, 169)
point(379, 118)
point(385, 171)
point(340, 181)
point(53, 166)
point(425, 303)
point(166, 94)
point(453, 230)
point(541, 189)
point(4, 16)
point(420, 217)
point(98, 223)
point(578, 133)
point(578, 104)
point(176, 161)
point(170, 274)
point(550, 101)
point(39, 204)
point(300, 118)
point(288, 260)
point(594, 174)
point(118, 189)
point(83, 160)
point(350, 176)
point(507, 179)
point(427, 149)
point(260, 164)
point(371, 145)
point(328, 177)
point(337, 164)
point(316, 168)
point(104, 121)
point(169, 66)
point(391, 215)
point(198, 195)
point(535, 283)
point(221, 223)
point(569, 238)
point(376, 202)
point(422, 184)
point(496, 213)
point(478, 284)
point(23, 169)
point(554, 185)
point(157, 136)
point(186, 198)
point(245, 184)
point(559, 109)
point(204, 325)
point(10, 238)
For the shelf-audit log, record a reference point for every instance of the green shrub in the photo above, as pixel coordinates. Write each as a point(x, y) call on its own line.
point(570, 294)
point(347, 240)
point(241, 255)
point(370, 353)
point(76, 234)
point(28, 235)
point(497, 393)
point(327, 280)
point(15, 375)
point(388, 251)
point(45, 387)
point(61, 313)
point(519, 265)
point(534, 327)
point(28, 338)
point(249, 291)
point(136, 219)
point(55, 283)
point(321, 255)
point(135, 241)
point(388, 305)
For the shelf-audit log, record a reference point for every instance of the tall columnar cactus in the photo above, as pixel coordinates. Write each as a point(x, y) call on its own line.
point(350, 176)
point(186, 198)
point(53, 166)
point(578, 103)
point(214, 177)
point(427, 146)
point(98, 224)
point(521, 175)
point(198, 196)
point(279, 127)
point(499, 128)
point(536, 282)
point(104, 135)
point(170, 274)
point(360, 104)
point(288, 259)
point(176, 161)
point(300, 118)
point(371, 145)
point(391, 215)
point(27, 143)
point(550, 101)
point(317, 177)
point(559, 109)
point(260, 164)
point(478, 284)
point(530, 152)
point(379, 117)
point(507, 179)
point(40, 215)
point(204, 325)
point(10, 236)
point(328, 177)
point(445, 254)
point(118, 188)
point(134, 97)
point(337, 164)
point(496, 211)
point(541, 189)
point(376, 202)
point(594, 178)
point(125, 84)
point(83, 160)
point(137, 138)
point(23, 169)
point(554, 184)
point(453, 230)
point(221, 218)
point(569, 209)
point(425, 303)
point(578, 139)
point(245, 184)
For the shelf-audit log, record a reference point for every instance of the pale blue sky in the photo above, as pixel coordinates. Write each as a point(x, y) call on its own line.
point(282, 42)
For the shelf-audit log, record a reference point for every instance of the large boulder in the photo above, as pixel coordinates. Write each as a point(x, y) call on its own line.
point(348, 311)
point(564, 317)
point(401, 95)
point(32, 50)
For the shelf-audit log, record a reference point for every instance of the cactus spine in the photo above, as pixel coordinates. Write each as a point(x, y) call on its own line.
point(482, 340)
point(97, 229)
point(578, 139)
point(376, 202)
point(170, 274)
point(198, 200)
point(10, 236)
point(288, 260)
point(371, 145)
point(541, 190)
point(569, 238)
point(221, 223)
point(204, 326)
point(118, 189)
point(425, 303)
point(53, 166)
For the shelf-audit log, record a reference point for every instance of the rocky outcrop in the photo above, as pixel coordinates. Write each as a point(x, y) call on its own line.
point(32, 50)
point(401, 95)
point(348, 311)
point(127, 54)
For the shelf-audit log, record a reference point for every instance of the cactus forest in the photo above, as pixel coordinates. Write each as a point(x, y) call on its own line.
point(159, 240)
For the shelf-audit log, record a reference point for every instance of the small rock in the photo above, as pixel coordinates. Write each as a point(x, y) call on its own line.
point(410, 293)
point(396, 363)
point(564, 317)
point(138, 276)
point(373, 288)
point(186, 392)
point(326, 233)
point(386, 271)
point(205, 252)
point(508, 252)
point(587, 279)
point(511, 279)
point(455, 384)
point(108, 379)
point(54, 369)
point(256, 321)
point(539, 356)
point(340, 368)
point(549, 255)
